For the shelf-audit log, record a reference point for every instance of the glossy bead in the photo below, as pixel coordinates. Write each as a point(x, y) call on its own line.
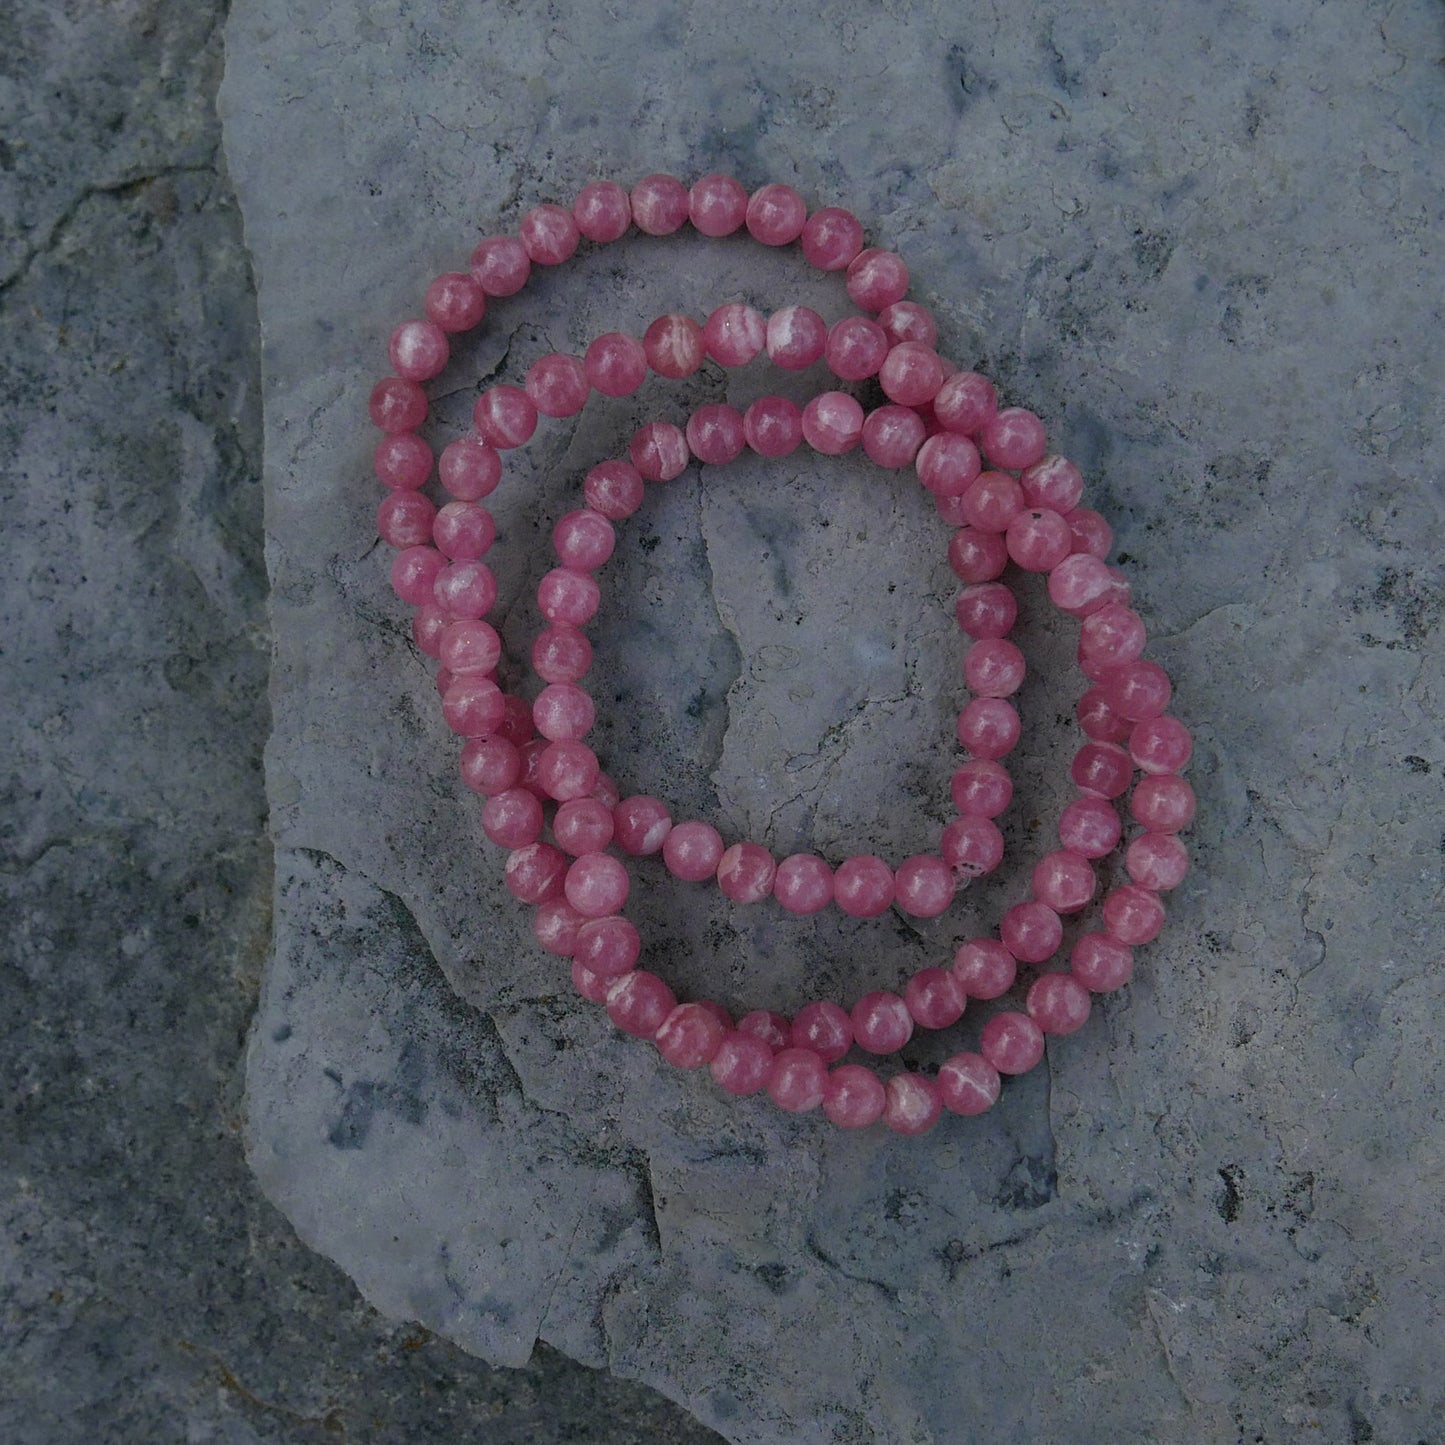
point(976, 556)
point(772, 1028)
point(505, 416)
point(857, 346)
point(673, 345)
point(608, 946)
point(1064, 881)
point(534, 874)
point(1137, 690)
point(472, 706)
point(549, 235)
point(948, 465)
point(588, 984)
point(876, 279)
point(456, 301)
point(803, 884)
point(988, 727)
point(561, 654)
point(863, 886)
point(1038, 540)
point(501, 265)
point(555, 925)
point(639, 1002)
point(987, 609)
point(490, 765)
point(965, 403)
point(606, 792)
point(692, 851)
point(823, 1027)
point(1031, 931)
point(971, 846)
point(776, 215)
point(567, 770)
point(796, 1080)
point(690, 1036)
point(1163, 803)
point(968, 1084)
point(641, 825)
point(1058, 1004)
point(734, 334)
point(563, 711)
point(832, 238)
point(742, 1064)
point(659, 451)
point(853, 1096)
point(1111, 636)
point(403, 461)
point(427, 627)
point(397, 405)
point(557, 385)
point(1103, 769)
point(582, 825)
point(796, 337)
point(923, 886)
point(935, 998)
point(516, 725)
point(992, 502)
point(913, 1104)
point(1157, 861)
point(418, 350)
point(1091, 533)
point(405, 519)
point(773, 426)
point(715, 434)
point(1133, 915)
point(1081, 584)
point(583, 539)
point(985, 968)
point(615, 364)
point(1098, 718)
point(994, 667)
point(1013, 438)
point(660, 205)
point(1102, 964)
point(568, 596)
point(614, 490)
point(911, 374)
point(1090, 827)
point(469, 645)
point(465, 589)
point(470, 469)
point(414, 573)
point(881, 1023)
point(832, 423)
point(1054, 483)
point(908, 321)
point(745, 873)
point(602, 212)
point(1160, 745)
point(1012, 1042)
point(597, 885)
point(892, 436)
point(512, 819)
point(463, 531)
point(717, 205)
point(981, 787)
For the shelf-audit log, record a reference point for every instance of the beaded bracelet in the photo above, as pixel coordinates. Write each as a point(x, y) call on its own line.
point(529, 758)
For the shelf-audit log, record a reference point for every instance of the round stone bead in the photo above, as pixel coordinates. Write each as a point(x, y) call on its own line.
point(464, 531)
point(555, 925)
point(535, 874)
point(1102, 964)
point(715, 434)
point(465, 589)
point(469, 645)
point(1058, 1004)
point(456, 301)
point(853, 1096)
point(1012, 1042)
point(1160, 745)
point(992, 502)
point(1091, 533)
point(913, 1104)
point(1013, 439)
point(583, 539)
point(1133, 915)
point(823, 1027)
point(470, 469)
point(923, 886)
point(1157, 861)
point(505, 416)
point(965, 403)
point(639, 1002)
point(1163, 803)
point(641, 825)
point(608, 946)
point(985, 968)
point(948, 465)
point(501, 265)
point(402, 461)
point(976, 556)
point(592, 988)
point(615, 364)
point(1054, 483)
point(419, 350)
point(1038, 540)
point(557, 385)
point(797, 336)
point(971, 846)
point(734, 334)
point(776, 215)
point(472, 706)
point(549, 235)
point(490, 765)
point(987, 609)
point(1098, 718)
point(796, 1080)
point(968, 1084)
point(1031, 931)
point(911, 374)
point(1081, 584)
point(673, 345)
point(602, 212)
point(563, 711)
point(516, 725)
point(692, 851)
point(568, 596)
point(717, 205)
point(832, 238)
point(994, 667)
point(606, 791)
point(988, 727)
point(745, 873)
point(690, 1036)
point(414, 572)
point(935, 998)
point(512, 819)
point(659, 451)
point(660, 205)
point(1103, 769)
point(742, 1064)
point(981, 787)
point(614, 490)
point(773, 426)
point(803, 884)
point(876, 279)
point(560, 654)
point(1090, 827)
point(405, 519)
point(908, 321)
point(1109, 637)
point(427, 629)
point(567, 770)
point(881, 1023)
point(772, 1028)
point(857, 346)
point(863, 887)
point(832, 423)
point(1138, 690)
point(397, 405)
point(1064, 881)
point(582, 825)
point(892, 436)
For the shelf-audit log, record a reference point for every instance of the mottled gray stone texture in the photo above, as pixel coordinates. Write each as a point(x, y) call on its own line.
point(149, 1293)
point(1203, 243)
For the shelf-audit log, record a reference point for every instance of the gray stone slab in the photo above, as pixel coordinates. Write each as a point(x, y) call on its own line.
point(1208, 256)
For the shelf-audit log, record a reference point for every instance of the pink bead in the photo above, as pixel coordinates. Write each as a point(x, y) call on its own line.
point(823, 1027)
point(715, 434)
point(876, 279)
point(1157, 861)
point(641, 825)
point(832, 238)
point(563, 711)
point(1012, 1042)
point(994, 667)
point(965, 403)
point(950, 511)
point(988, 727)
point(602, 211)
point(1064, 881)
point(908, 321)
point(469, 645)
point(615, 364)
point(690, 1036)
point(561, 654)
point(512, 819)
point(504, 416)
point(414, 573)
point(796, 1080)
point(796, 337)
point(606, 792)
point(582, 825)
point(935, 998)
point(597, 885)
point(464, 531)
point(948, 464)
point(472, 706)
point(981, 787)
point(773, 426)
point(734, 334)
point(971, 846)
point(881, 1023)
point(968, 1084)
point(1013, 439)
point(692, 851)
point(516, 721)
point(490, 765)
point(863, 886)
point(854, 1097)
point(992, 502)
point(531, 752)
point(587, 983)
point(913, 1105)
point(1058, 1004)
point(639, 1002)
point(569, 596)
point(1138, 690)
point(404, 519)
point(549, 235)
point(1104, 769)
point(673, 345)
point(1081, 584)
point(803, 884)
point(1109, 637)
point(502, 265)
point(1098, 718)
point(659, 451)
point(1090, 827)
point(717, 205)
point(534, 874)
point(742, 1064)
point(456, 301)
point(745, 873)
point(567, 770)
point(659, 205)
point(911, 374)
point(557, 385)
point(776, 215)
point(1091, 533)
point(402, 460)
point(1133, 915)
point(608, 946)
point(427, 627)
point(857, 346)
point(614, 490)
point(892, 436)
point(1054, 484)
point(1031, 931)
point(832, 423)
point(771, 1028)
point(397, 404)
point(976, 556)
point(988, 609)
point(583, 539)
point(1102, 964)
point(985, 968)
point(1160, 745)
point(470, 469)
point(1038, 540)
point(418, 350)
point(923, 886)
point(555, 925)
point(1163, 803)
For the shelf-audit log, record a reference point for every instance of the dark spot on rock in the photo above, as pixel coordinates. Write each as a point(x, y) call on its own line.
point(774, 1276)
point(1228, 1202)
point(280, 1033)
point(1416, 764)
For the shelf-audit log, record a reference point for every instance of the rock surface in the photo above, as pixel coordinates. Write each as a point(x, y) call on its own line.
point(1209, 259)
